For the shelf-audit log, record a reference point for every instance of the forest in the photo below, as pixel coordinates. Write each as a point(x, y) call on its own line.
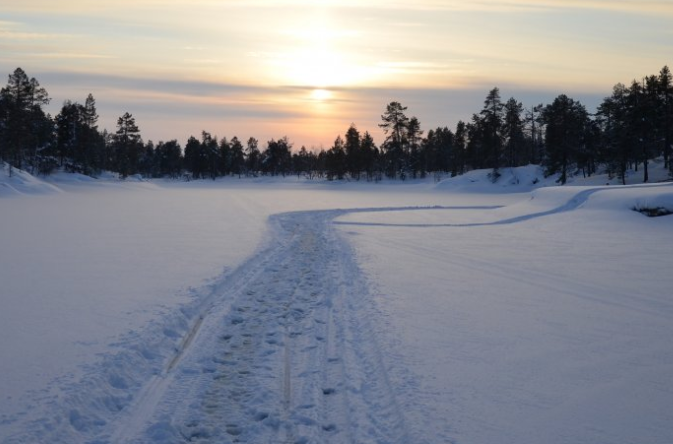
point(632, 126)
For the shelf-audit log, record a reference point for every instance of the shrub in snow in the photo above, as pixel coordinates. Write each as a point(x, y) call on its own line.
point(653, 211)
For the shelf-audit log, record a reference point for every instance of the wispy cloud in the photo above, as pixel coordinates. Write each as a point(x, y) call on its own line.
point(640, 7)
point(168, 109)
point(107, 6)
point(16, 31)
point(244, 61)
point(174, 86)
point(71, 55)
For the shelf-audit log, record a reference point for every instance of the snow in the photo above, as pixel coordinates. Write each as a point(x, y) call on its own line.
point(546, 329)
point(14, 182)
point(284, 310)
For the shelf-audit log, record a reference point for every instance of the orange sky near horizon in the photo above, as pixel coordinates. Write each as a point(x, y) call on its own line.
point(308, 69)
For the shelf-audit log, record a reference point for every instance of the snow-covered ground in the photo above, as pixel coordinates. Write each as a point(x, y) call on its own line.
point(281, 310)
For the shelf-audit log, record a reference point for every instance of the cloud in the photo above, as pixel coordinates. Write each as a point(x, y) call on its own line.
point(13, 31)
point(175, 109)
point(173, 96)
point(110, 6)
point(172, 86)
point(646, 7)
point(206, 60)
point(71, 55)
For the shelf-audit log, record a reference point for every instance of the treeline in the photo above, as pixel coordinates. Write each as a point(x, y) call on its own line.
point(630, 128)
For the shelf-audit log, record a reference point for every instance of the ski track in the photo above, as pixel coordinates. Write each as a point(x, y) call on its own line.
point(291, 358)
point(283, 351)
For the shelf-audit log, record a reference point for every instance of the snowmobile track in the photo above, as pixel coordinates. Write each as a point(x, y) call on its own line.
point(283, 353)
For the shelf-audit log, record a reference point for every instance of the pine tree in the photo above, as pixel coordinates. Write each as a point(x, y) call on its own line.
point(414, 137)
point(474, 149)
point(211, 156)
point(666, 103)
point(192, 161)
point(90, 115)
point(459, 149)
point(534, 141)
point(148, 161)
point(438, 151)
point(395, 128)
point(225, 158)
point(237, 158)
point(491, 122)
point(78, 139)
point(335, 160)
point(277, 157)
point(370, 156)
point(252, 157)
point(566, 123)
point(127, 145)
point(169, 157)
point(302, 163)
point(25, 129)
point(645, 119)
point(354, 158)
point(512, 130)
point(613, 119)
point(69, 126)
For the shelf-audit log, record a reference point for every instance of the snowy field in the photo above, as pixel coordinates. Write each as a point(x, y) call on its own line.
point(287, 311)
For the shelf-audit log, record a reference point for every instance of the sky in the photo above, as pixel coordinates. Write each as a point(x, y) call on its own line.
point(308, 69)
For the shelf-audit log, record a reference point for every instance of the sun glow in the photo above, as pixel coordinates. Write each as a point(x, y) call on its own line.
point(319, 57)
point(321, 95)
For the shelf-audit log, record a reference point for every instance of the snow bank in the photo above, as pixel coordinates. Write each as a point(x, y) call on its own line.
point(17, 182)
point(531, 177)
point(519, 179)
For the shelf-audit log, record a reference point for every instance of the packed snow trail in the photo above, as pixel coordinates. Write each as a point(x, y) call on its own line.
point(285, 355)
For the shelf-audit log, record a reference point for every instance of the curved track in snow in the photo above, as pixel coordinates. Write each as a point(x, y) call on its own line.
point(575, 202)
point(283, 352)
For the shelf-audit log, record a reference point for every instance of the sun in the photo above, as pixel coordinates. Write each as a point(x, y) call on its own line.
point(318, 66)
point(318, 57)
point(321, 95)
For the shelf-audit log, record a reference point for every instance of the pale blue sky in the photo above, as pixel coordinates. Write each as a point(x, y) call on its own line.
point(307, 69)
